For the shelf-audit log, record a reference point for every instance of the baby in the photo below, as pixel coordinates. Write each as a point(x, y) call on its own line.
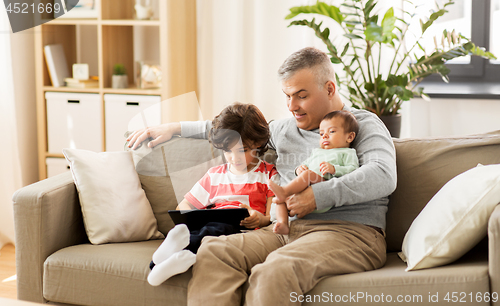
point(334, 158)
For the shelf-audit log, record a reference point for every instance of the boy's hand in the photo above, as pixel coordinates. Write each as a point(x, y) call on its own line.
point(325, 168)
point(254, 220)
point(301, 169)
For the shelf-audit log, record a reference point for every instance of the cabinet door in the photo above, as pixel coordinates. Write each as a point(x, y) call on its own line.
point(56, 166)
point(128, 113)
point(74, 120)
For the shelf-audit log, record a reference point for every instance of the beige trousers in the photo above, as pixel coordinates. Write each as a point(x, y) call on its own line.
point(279, 265)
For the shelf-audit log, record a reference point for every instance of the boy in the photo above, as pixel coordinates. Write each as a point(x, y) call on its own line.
point(242, 132)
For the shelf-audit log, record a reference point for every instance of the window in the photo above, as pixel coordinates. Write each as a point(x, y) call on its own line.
point(478, 20)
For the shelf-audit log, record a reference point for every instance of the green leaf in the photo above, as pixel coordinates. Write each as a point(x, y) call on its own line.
point(373, 19)
point(353, 36)
point(320, 8)
point(388, 21)
point(345, 50)
point(334, 60)
point(369, 7)
point(373, 32)
point(434, 16)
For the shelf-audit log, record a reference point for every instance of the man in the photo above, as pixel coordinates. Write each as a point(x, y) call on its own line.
point(345, 239)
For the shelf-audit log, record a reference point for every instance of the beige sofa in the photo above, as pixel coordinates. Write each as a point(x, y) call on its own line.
point(56, 263)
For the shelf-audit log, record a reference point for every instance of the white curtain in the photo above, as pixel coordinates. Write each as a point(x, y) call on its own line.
point(10, 169)
point(241, 45)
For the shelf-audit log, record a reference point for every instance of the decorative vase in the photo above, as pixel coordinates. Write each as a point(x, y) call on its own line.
point(393, 124)
point(143, 12)
point(120, 81)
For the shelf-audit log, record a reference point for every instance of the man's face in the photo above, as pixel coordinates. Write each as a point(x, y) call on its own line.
point(306, 100)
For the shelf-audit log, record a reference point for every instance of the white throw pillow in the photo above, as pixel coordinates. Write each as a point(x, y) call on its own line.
point(454, 220)
point(114, 206)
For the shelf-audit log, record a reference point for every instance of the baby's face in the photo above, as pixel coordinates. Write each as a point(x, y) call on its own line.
point(332, 134)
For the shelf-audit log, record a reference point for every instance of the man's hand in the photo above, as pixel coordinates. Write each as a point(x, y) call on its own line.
point(325, 168)
point(158, 134)
point(302, 203)
point(301, 169)
point(256, 219)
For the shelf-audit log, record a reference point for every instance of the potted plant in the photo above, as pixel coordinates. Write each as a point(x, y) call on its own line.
point(119, 78)
point(366, 36)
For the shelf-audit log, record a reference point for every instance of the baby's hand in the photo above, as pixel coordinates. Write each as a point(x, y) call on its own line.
point(301, 169)
point(325, 168)
point(253, 220)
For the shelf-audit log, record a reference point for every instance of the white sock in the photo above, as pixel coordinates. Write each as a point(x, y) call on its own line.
point(175, 264)
point(176, 240)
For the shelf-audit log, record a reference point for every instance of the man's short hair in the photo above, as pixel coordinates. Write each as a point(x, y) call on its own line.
point(350, 123)
point(308, 58)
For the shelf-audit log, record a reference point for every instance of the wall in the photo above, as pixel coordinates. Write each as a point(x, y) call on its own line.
point(448, 117)
point(23, 63)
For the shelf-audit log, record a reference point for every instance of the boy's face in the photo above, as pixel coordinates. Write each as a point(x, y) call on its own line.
point(241, 158)
point(332, 134)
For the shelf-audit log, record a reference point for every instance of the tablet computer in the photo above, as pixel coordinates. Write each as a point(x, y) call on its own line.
point(197, 218)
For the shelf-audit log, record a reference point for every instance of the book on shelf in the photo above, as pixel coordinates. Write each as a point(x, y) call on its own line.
point(92, 82)
point(56, 63)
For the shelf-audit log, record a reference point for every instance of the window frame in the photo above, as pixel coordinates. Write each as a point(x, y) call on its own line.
point(479, 69)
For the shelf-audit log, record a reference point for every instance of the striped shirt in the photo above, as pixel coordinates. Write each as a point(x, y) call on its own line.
point(224, 189)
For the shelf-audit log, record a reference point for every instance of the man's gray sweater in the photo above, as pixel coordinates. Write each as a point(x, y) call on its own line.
point(360, 196)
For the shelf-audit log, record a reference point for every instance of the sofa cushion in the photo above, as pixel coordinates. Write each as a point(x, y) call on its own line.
point(168, 171)
point(109, 274)
point(391, 284)
point(115, 207)
point(454, 220)
point(424, 166)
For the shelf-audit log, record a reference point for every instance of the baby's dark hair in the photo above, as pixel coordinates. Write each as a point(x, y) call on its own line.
point(350, 122)
point(240, 120)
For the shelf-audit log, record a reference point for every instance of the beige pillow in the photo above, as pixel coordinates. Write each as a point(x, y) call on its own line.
point(114, 206)
point(454, 220)
point(169, 170)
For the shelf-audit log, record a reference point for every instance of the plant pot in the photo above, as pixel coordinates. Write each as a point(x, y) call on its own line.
point(119, 81)
point(393, 124)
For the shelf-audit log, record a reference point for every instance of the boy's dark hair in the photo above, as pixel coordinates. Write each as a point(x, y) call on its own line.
point(240, 120)
point(350, 122)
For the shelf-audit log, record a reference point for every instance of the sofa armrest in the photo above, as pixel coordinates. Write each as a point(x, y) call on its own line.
point(47, 218)
point(494, 252)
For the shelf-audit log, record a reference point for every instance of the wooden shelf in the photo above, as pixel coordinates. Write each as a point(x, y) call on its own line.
point(133, 91)
point(115, 37)
point(54, 155)
point(130, 22)
point(68, 21)
point(71, 89)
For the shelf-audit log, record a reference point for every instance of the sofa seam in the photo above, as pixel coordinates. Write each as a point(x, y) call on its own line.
point(430, 283)
point(101, 272)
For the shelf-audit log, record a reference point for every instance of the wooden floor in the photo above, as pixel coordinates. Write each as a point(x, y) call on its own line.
point(8, 272)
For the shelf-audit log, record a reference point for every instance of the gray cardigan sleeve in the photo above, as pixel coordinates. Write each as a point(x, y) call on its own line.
point(375, 178)
point(195, 129)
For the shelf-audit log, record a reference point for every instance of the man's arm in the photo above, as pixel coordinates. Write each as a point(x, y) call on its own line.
point(164, 132)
